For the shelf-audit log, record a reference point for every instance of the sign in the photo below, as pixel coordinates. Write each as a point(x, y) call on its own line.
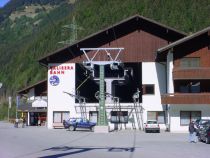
point(54, 80)
point(10, 102)
point(60, 69)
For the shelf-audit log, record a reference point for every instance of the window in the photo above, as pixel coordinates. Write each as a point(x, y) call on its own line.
point(119, 117)
point(149, 89)
point(191, 87)
point(190, 62)
point(59, 116)
point(187, 116)
point(156, 115)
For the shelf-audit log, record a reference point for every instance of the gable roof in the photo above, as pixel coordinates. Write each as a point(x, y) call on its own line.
point(182, 41)
point(26, 89)
point(132, 23)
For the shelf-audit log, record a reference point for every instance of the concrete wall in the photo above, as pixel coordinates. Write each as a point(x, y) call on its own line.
point(57, 99)
point(174, 112)
point(153, 73)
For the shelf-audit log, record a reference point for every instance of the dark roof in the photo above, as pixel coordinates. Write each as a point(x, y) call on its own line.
point(184, 40)
point(26, 89)
point(99, 38)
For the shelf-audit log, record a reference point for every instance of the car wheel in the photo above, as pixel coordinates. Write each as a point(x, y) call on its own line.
point(199, 139)
point(207, 141)
point(92, 128)
point(71, 128)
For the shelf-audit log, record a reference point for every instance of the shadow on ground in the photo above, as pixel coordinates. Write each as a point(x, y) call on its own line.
point(77, 150)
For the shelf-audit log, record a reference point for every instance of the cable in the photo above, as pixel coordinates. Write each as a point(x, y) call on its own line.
point(51, 20)
point(83, 82)
point(68, 48)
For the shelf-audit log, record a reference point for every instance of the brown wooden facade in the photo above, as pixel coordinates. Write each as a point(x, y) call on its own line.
point(186, 98)
point(140, 37)
point(196, 46)
point(192, 73)
point(138, 46)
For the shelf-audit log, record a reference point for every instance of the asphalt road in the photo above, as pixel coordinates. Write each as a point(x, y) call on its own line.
point(32, 142)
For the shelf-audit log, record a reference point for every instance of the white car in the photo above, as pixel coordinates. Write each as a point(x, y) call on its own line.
point(152, 125)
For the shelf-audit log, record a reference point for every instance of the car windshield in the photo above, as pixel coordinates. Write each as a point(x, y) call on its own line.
point(151, 122)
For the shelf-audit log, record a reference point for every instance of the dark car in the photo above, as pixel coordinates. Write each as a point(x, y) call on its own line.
point(204, 133)
point(200, 123)
point(74, 123)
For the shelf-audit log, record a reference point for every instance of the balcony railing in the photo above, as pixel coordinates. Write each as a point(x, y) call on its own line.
point(186, 98)
point(191, 73)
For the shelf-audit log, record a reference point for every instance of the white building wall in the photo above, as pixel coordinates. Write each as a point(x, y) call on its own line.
point(170, 65)
point(57, 99)
point(153, 73)
point(175, 115)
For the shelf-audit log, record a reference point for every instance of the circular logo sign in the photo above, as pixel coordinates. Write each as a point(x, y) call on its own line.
point(54, 80)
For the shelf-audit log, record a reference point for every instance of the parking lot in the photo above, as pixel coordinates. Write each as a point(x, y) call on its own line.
point(32, 142)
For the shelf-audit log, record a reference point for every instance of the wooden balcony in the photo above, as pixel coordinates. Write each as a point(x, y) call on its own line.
point(186, 98)
point(191, 73)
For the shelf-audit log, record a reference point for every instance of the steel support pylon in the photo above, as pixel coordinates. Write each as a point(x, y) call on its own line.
point(102, 110)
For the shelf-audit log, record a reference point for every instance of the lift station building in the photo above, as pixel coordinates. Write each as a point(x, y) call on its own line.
point(163, 75)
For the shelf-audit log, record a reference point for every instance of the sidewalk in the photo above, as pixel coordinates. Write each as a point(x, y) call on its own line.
point(6, 124)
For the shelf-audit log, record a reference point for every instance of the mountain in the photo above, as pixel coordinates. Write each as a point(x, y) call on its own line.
point(30, 29)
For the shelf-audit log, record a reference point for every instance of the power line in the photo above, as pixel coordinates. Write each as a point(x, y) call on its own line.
point(112, 25)
point(68, 48)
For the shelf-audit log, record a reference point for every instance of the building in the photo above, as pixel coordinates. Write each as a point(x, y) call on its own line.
point(163, 76)
point(33, 103)
point(188, 86)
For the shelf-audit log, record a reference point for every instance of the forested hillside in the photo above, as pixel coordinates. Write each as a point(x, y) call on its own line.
point(24, 39)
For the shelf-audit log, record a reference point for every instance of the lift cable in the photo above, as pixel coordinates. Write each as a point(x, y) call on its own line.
point(83, 82)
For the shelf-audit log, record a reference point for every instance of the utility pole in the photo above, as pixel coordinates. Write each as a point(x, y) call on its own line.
point(17, 105)
point(73, 27)
point(9, 106)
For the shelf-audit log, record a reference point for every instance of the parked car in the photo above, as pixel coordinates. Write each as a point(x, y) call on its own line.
point(204, 133)
point(74, 123)
point(66, 123)
point(200, 123)
point(152, 126)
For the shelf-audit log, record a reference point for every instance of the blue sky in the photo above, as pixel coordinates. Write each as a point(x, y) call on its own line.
point(3, 2)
